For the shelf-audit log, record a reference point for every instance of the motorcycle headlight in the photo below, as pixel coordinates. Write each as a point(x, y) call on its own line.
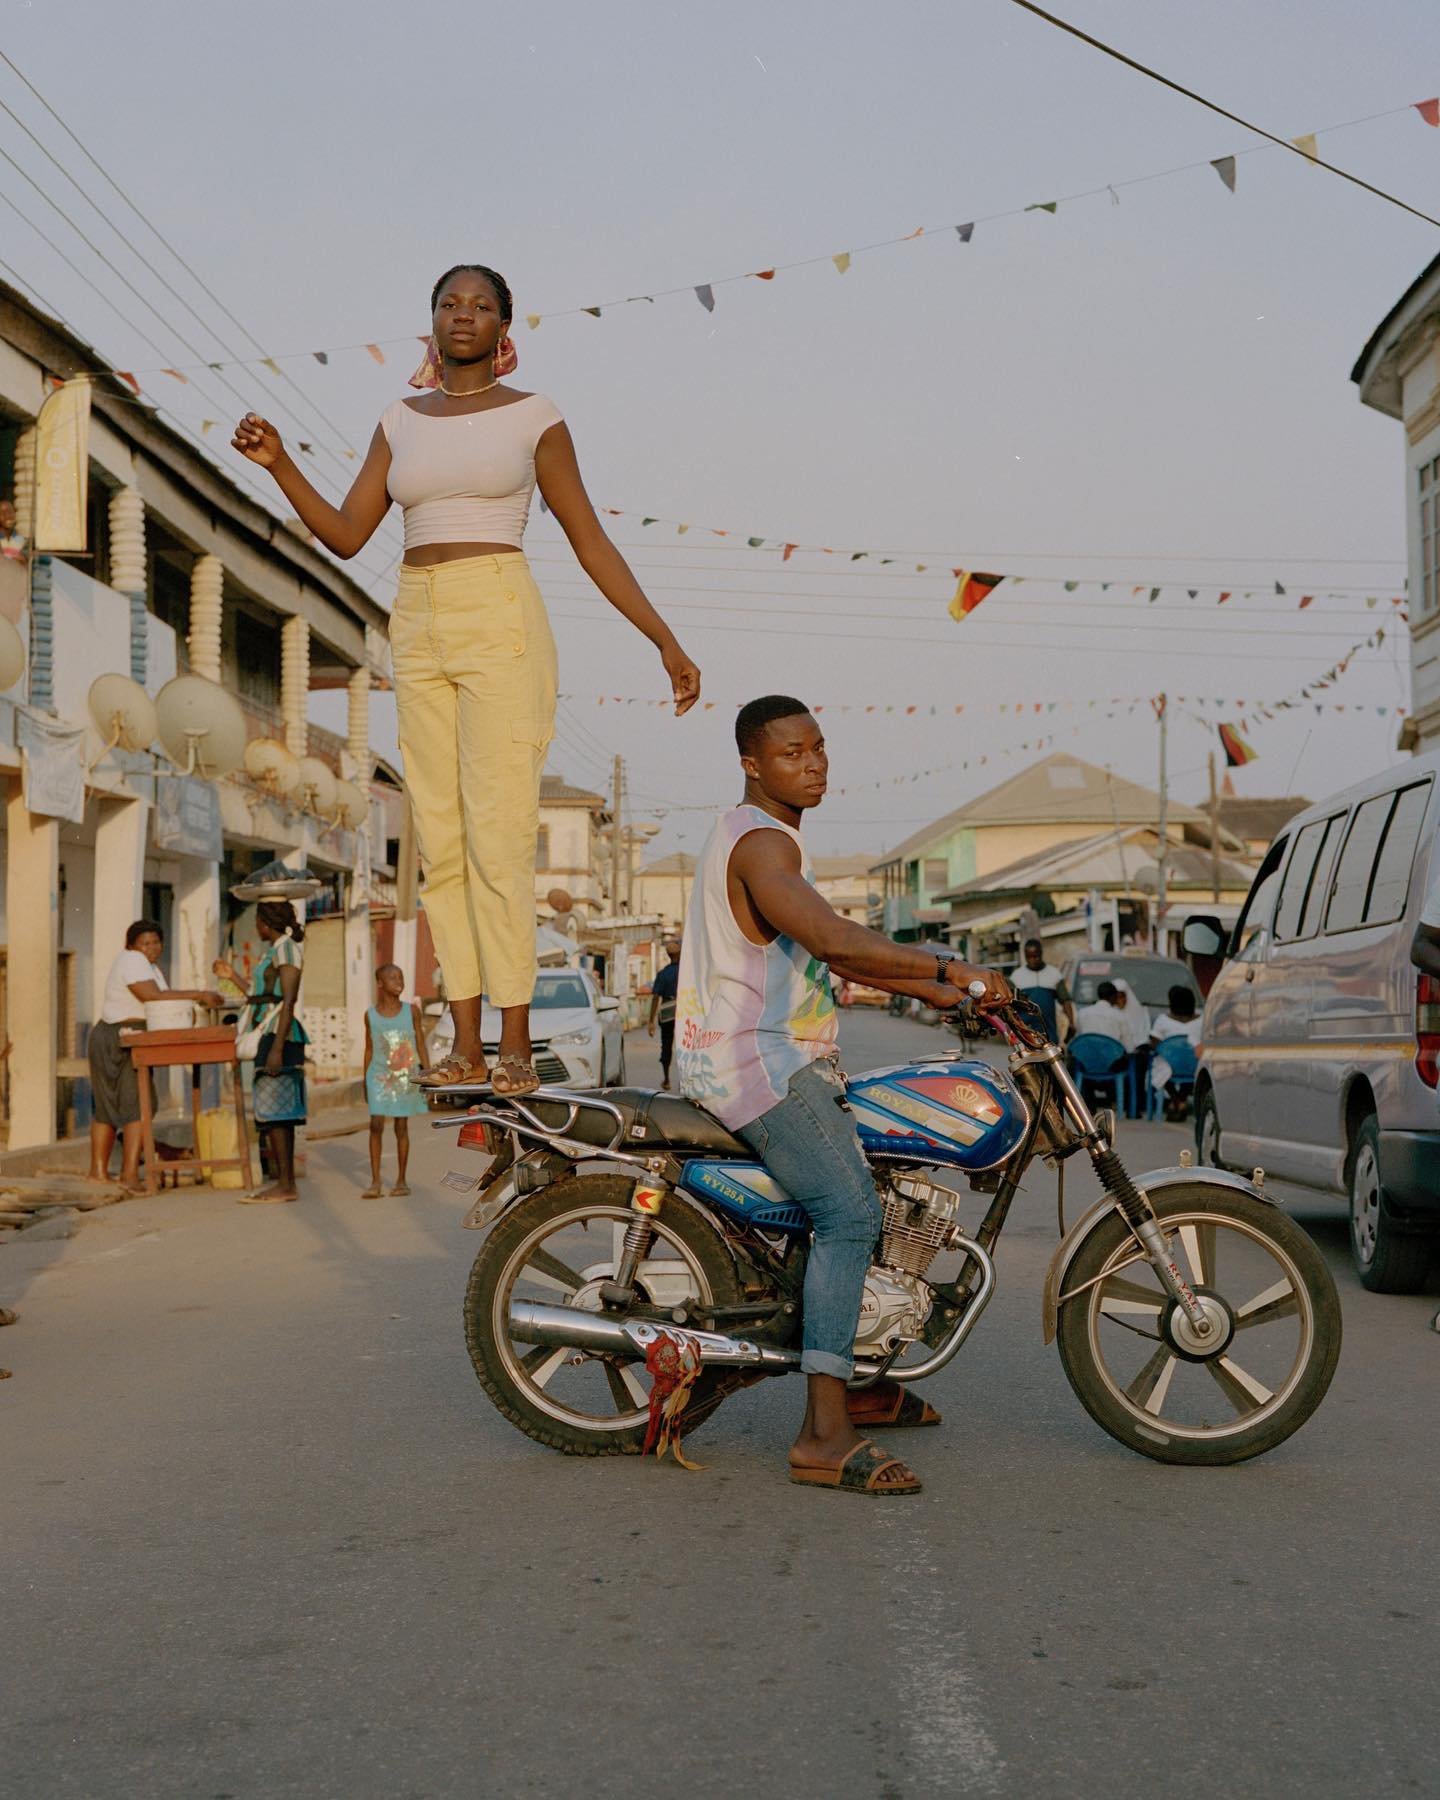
point(573, 1040)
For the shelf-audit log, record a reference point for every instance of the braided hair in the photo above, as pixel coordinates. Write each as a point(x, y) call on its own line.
point(497, 281)
point(282, 919)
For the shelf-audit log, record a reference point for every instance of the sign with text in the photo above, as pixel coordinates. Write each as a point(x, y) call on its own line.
point(186, 820)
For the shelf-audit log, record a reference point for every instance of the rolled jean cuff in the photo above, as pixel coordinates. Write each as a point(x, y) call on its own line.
point(821, 1362)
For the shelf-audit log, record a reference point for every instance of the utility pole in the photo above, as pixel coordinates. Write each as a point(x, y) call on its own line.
point(1214, 834)
point(1162, 709)
point(615, 840)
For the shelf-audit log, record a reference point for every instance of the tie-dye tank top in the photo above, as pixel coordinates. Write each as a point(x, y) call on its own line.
point(749, 1016)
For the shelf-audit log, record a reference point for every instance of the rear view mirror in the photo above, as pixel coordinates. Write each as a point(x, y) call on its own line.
point(607, 1003)
point(1203, 936)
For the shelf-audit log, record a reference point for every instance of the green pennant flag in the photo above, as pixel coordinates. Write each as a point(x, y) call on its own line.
point(594, 311)
point(1043, 206)
point(755, 543)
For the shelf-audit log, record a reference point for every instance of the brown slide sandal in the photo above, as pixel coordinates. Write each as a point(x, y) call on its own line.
point(859, 1473)
point(888, 1403)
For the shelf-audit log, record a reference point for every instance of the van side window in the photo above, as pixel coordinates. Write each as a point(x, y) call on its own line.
point(1295, 888)
point(1372, 877)
point(1320, 881)
point(1252, 930)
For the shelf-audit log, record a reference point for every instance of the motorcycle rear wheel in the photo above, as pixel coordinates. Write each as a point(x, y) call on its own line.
point(1179, 1400)
point(558, 1246)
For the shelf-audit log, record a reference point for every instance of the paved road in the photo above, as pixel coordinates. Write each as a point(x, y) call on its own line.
point(265, 1537)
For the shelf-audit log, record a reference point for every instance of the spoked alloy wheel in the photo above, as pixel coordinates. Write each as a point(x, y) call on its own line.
point(1141, 1371)
point(557, 1248)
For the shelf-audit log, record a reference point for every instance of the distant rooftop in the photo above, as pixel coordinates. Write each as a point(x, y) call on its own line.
point(1263, 817)
point(555, 790)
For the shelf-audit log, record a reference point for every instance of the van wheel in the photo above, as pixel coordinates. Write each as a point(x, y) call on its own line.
point(1207, 1131)
point(1387, 1261)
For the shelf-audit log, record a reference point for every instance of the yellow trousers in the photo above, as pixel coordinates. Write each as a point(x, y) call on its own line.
point(475, 677)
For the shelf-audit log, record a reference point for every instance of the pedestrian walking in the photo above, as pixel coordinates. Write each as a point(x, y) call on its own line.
point(1043, 984)
point(277, 1094)
point(395, 1059)
point(663, 991)
point(473, 657)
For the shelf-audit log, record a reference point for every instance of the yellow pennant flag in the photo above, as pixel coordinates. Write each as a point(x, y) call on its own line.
point(206, 427)
point(375, 351)
point(533, 321)
point(270, 363)
point(62, 467)
point(842, 261)
point(680, 530)
point(1305, 144)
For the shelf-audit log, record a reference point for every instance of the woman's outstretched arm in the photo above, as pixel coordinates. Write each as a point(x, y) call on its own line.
point(344, 529)
point(558, 475)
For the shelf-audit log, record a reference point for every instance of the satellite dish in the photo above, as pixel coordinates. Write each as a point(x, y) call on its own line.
point(352, 808)
point(12, 655)
point(274, 769)
point(317, 786)
point(201, 726)
point(559, 900)
point(123, 712)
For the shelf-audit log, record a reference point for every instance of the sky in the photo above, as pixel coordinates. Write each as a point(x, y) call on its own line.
point(1146, 387)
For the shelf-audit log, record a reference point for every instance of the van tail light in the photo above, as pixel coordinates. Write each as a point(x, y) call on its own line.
point(478, 1135)
point(1427, 1030)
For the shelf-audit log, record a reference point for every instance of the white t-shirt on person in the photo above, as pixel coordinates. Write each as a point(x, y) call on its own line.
point(1168, 1026)
point(129, 966)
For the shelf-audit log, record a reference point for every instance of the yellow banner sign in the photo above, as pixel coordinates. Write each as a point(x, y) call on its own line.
point(62, 468)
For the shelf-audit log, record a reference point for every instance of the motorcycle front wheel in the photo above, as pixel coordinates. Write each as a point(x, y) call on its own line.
point(557, 1247)
point(1147, 1378)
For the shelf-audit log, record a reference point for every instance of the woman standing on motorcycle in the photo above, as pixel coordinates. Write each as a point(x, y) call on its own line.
point(474, 661)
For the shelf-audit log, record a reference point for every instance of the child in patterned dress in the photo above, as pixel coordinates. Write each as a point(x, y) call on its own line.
point(395, 1059)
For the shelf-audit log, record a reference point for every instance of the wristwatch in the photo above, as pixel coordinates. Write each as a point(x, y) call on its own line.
point(942, 962)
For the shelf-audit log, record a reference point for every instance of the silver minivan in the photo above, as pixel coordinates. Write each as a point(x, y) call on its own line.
point(1321, 1048)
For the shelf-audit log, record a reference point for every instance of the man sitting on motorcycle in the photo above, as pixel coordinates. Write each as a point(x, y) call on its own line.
point(756, 1045)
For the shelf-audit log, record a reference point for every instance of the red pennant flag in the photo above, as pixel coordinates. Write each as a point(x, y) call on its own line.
point(176, 375)
point(1429, 111)
point(1224, 597)
point(1237, 751)
point(788, 552)
point(970, 590)
point(376, 352)
point(1305, 600)
point(129, 380)
point(764, 274)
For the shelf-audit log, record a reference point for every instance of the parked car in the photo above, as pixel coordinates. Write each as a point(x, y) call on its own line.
point(1150, 977)
point(1321, 1043)
point(575, 1031)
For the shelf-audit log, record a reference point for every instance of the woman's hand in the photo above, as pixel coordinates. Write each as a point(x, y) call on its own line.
point(684, 677)
point(258, 439)
point(275, 1061)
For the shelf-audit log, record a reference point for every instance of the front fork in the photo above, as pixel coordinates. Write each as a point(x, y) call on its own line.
point(1133, 1202)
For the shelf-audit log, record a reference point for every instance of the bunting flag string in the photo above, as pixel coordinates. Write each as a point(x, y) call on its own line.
point(922, 711)
point(1224, 166)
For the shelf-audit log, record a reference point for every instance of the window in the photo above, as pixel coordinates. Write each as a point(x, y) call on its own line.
point(1391, 885)
point(1372, 877)
point(257, 654)
point(1320, 884)
point(1296, 886)
point(1429, 474)
point(1252, 932)
point(937, 874)
point(542, 847)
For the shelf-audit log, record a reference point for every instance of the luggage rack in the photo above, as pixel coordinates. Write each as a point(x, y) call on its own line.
point(528, 1125)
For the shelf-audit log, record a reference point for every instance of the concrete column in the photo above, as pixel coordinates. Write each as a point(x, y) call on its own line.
point(359, 975)
point(206, 581)
point(358, 719)
point(25, 482)
point(403, 953)
point(197, 924)
point(32, 888)
point(119, 886)
point(128, 569)
point(295, 683)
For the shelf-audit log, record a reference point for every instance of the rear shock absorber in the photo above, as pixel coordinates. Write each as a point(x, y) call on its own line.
point(645, 1203)
point(1139, 1215)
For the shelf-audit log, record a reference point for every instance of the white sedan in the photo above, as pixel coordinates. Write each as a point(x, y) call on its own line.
point(575, 1031)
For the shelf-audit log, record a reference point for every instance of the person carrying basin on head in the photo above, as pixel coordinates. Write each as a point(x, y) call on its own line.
point(474, 659)
point(756, 1044)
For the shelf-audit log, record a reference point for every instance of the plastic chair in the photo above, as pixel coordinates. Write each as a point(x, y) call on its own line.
point(1098, 1062)
point(1179, 1052)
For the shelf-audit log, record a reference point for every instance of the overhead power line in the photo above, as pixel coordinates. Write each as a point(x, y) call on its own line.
point(1213, 106)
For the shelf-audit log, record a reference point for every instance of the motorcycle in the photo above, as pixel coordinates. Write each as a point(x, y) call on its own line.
point(1195, 1321)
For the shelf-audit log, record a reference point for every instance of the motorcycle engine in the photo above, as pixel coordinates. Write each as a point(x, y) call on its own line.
point(893, 1310)
point(920, 1221)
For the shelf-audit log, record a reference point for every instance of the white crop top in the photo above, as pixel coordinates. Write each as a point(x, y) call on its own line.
point(465, 478)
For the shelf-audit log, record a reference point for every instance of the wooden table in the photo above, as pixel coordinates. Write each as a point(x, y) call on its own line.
point(200, 1045)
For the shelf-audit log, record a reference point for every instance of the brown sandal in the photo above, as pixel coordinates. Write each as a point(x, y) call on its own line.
point(518, 1074)
point(888, 1403)
point(859, 1473)
point(453, 1071)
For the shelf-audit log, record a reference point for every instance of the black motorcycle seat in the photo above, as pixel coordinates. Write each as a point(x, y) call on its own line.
point(653, 1120)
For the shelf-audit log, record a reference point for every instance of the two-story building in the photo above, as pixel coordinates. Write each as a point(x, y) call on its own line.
point(1398, 373)
point(181, 572)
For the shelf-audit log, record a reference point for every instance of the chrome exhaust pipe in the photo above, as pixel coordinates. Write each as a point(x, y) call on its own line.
point(568, 1328)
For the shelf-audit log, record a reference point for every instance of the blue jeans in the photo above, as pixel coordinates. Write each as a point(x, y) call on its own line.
point(809, 1144)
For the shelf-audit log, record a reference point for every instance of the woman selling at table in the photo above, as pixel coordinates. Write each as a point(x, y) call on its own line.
point(474, 660)
point(277, 1096)
point(135, 977)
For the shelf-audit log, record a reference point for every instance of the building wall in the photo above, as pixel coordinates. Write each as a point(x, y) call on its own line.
point(1421, 400)
point(571, 862)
